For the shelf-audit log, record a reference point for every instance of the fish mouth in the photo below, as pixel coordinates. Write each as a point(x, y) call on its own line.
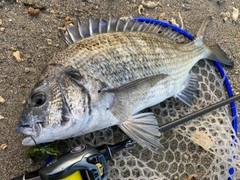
point(30, 131)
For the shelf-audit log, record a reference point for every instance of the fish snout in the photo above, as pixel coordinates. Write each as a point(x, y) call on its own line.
point(26, 129)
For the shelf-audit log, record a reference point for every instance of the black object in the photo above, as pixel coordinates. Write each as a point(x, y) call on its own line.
point(85, 160)
point(201, 112)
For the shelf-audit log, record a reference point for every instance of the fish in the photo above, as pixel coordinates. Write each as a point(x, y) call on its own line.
point(111, 71)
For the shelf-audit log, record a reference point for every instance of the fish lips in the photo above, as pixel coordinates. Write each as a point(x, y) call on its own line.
point(31, 131)
point(26, 130)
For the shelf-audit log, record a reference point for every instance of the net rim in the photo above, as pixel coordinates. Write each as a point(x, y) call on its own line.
point(217, 64)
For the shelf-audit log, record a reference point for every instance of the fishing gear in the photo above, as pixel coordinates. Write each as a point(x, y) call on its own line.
point(81, 163)
point(84, 163)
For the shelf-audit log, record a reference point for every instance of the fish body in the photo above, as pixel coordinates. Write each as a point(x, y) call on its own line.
point(108, 74)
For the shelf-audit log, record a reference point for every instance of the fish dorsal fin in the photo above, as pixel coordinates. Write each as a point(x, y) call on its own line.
point(99, 26)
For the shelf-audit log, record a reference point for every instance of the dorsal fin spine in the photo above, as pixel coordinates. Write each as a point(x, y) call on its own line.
point(140, 27)
point(109, 23)
point(80, 28)
point(90, 27)
point(99, 26)
point(145, 29)
point(152, 26)
point(125, 26)
point(155, 30)
point(132, 28)
point(117, 24)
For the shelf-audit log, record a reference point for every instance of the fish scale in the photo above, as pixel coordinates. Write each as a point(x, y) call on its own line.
point(111, 71)
point(108, 57)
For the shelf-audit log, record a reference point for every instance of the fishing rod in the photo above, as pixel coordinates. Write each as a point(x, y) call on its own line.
point(198, 113)
point(83, 163)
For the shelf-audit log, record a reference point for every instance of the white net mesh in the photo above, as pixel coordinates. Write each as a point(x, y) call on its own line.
point(200, 149)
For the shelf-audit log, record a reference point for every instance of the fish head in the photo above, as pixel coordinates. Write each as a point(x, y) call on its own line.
point(57, 108)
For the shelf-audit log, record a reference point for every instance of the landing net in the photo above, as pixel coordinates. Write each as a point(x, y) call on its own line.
point(204, 148)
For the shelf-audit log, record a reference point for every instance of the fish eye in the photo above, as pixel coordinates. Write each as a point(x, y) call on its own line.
point(38, 99)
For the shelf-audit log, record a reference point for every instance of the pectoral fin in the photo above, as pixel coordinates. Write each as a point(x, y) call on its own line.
point(143, 128)
point(129, 95)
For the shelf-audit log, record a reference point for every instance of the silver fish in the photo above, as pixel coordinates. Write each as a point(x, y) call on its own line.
point(110, 72)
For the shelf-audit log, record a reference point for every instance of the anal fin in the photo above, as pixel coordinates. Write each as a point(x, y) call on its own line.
point(143, 128)
point(191, 89)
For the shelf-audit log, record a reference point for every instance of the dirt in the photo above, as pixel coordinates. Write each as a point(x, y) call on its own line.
point(38, 38)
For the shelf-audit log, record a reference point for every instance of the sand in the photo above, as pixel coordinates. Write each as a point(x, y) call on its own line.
point(38, 38)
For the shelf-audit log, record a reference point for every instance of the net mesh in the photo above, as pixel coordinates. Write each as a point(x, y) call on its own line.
point(200, 149)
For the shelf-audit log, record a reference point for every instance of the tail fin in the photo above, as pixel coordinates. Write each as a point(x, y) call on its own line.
point(217, 54)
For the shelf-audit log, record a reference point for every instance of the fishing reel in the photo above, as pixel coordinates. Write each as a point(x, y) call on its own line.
point(81, 163)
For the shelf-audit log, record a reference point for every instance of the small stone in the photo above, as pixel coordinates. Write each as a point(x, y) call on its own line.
point(17, 56)
point(0, 22)
point(85, 9)
point(23, 85)
point(225, 19)
point(68, 20)
point(24, 102)
point(2, 100)
point(33, 11)
point(62, 28)
point(173, 22)
point(175, 177)
point(2, 29)
point(186, 156)
point(1, 117)
point(150, 4)
point(140, 9)
point(225, 14)
point(161, 16)
point(235, 14)
point(27, 70)
point(13, 49)
point(3, 146)
point(49, 41)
